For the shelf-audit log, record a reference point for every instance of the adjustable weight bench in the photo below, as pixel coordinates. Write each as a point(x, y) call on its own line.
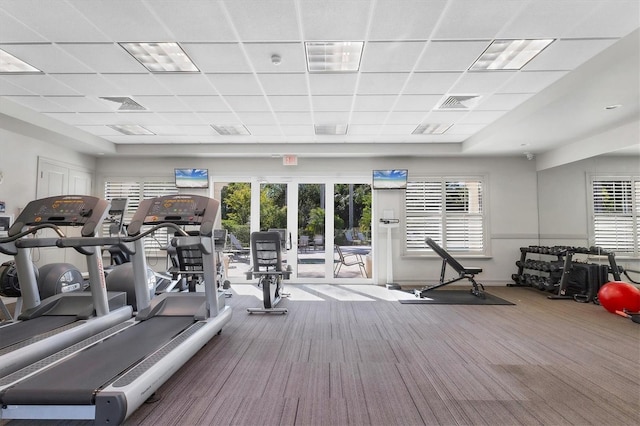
point(447, 259)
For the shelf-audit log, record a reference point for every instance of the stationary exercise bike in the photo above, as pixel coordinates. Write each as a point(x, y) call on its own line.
point(266, 249)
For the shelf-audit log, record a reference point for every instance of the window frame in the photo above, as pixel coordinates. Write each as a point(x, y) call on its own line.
point(424, 250)
point(633, 214)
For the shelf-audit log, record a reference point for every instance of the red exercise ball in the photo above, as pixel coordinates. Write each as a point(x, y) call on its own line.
point(619, 296)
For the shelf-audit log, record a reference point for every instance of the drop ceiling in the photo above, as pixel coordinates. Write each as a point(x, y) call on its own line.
point(416, 54)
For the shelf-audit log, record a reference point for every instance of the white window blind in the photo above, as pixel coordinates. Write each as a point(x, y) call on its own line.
point(135, 191)
point(450, 211)
point(615, 206)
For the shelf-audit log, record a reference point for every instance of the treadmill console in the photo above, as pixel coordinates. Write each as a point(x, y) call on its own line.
point(63, 210)
point(176, 209)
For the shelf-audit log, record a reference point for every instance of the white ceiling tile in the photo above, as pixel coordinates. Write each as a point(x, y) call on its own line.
point(100, 130)
point(123, 20)
point(48, 58)
point(264, 20)
point(360, 129)
point(334, 20)
point(290, 103)
point(567, 54)
point(136, 84)
point(547, 18)
point(79, 103)
point(89, 84)
point(142, 118)
point(290, 118)
point(265, 131)
point(37, 103)
point(368, 117)
point(217, 57)
point(292, 57)
point(181, 130)
point(333, 84)
point(72, 118)
point(284, 84)
point(257, 118)
point(38, 83)
point(332, 103)
point(205, 103)
point(406, 117)
point(417, 102)
point(451, 55)
point(444, 116)
point(414, 20)
point(297, 130)
point(14, 31)
point(57, 21)
point(248, 103)
point(331, 117)
point(460, 21)
point(374, 102)
point(481, 117)
point(104, 57)
point(381, 83)
point(219, 118)
point(195, 20)
point(397, 129)
point(9, 89)
point(531, 82)
point(500, 102)
point(185, 84)
point(235, 84)
point(390, 56)
point(162, 103)
point(182, 118)
point(482, 82)
point(431, 82)
point(608, 20)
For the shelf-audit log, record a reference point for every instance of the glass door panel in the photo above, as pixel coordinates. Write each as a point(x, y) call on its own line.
point(352, 235)
point(235, 213)
point(311, 251)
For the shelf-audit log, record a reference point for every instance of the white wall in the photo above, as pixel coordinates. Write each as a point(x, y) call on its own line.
point(511, 199)
point(564, 205)
point(19, 166)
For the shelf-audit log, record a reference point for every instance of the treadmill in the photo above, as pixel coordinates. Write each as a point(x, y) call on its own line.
point(48, 326)
point(109, 379)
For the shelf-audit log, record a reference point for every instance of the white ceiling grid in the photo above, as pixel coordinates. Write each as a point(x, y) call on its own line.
point(416, 53)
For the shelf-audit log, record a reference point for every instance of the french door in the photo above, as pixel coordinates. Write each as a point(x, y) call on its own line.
point(313, 216)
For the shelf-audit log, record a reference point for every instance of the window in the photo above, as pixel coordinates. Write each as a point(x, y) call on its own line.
point(135, 191)
point(448, 210)
point(616, 207)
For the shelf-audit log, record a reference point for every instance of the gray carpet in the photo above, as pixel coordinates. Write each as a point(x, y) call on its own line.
point(456, 297)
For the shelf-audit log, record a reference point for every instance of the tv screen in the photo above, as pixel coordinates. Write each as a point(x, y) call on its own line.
point(390, 179)
point(192, 178)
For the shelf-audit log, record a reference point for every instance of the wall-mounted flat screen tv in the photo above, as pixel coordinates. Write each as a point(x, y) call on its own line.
point(390, 179)
point(192, 178)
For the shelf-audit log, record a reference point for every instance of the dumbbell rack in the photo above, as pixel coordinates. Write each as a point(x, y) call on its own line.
point(541, 274)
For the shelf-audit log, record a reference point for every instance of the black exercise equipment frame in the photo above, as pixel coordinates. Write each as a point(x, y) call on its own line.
point(463, 272)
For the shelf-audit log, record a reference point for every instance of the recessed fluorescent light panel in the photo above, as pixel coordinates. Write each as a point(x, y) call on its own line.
point(431, 129)
point(231, 130)
point(161, 57)
point(131, 129)
point(509, 54)
point(9, 63)
point(330, 129)
point(334, 56)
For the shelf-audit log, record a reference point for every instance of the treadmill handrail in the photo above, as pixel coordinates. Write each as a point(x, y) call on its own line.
point(8, 244)
point(74, 242)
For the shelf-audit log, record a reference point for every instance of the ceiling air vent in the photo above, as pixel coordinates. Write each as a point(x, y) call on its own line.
point(330, 129)
point(126, 104)
point(460, 102)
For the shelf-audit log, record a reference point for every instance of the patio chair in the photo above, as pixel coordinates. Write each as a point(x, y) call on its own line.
point(348, 234)
point(348, 259)
point(237, 250)
point(318, 241)
point(303, 243)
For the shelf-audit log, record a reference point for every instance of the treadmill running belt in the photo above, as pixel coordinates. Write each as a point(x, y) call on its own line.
point(18, 332)
point(74, 381)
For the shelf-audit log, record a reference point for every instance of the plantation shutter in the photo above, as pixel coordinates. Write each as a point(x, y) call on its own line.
point(449, 211)
point(135, 191)
point(614, 214)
